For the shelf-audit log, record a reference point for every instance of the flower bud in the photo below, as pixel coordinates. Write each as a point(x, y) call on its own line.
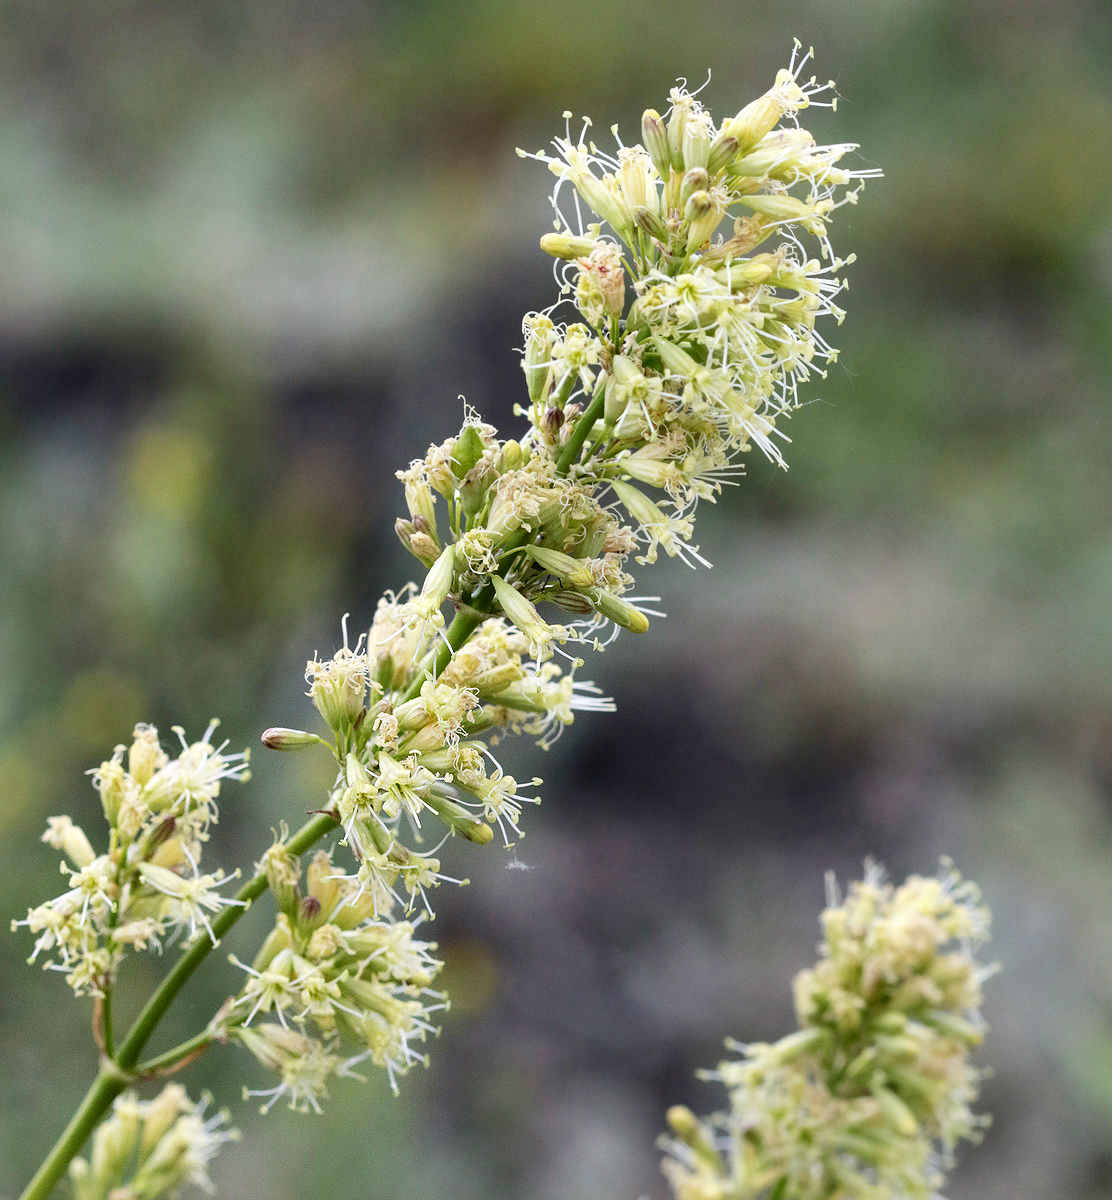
point(696, 141)
point(62, 834)
point(615, 398)
point(158, 838)
point(145, 755)
point(682, 1121)
point(621, 612)
point(466, 452)
point(423, 548)
point(635, 173)
point(524, 615)
point(572, 602)
point(675, 358)
point(778, 150)
point(554, 561)
point(474, 487)
point(422, 505)
point(310, 914)
point(536, 362)
point(511, 455)
point(651, 223)
point(163, 1111)
point(896, 1112)
point(676, 123)
point(603, 197)
point(785, 208)
point(282, 877)
point(458, 819)
point(694, 180)
point(723, 150)
point(640, 507)
point(746, 272)
point(438, 582)
point(551, 424)
point(565, 245)
point(702, 216)
point(655, 472)
point(655, 138)
point(113, 783)
point(278, 738)
point(761, 116)
point(337, 688)
point(405, 530)
point(323, 882)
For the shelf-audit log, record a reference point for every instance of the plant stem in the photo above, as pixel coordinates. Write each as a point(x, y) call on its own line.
point(583, 427)
point(171, 1058)
point(463, 625)
point(113, 1076)
point(106, 1020)
point(106, 1087)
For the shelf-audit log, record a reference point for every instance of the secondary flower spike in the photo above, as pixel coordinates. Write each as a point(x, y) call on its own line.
point(869, 1097)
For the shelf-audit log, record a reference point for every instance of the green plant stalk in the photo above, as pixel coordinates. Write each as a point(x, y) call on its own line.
point(583, 427)
point(179, 1055)
point(105, 1088)
point(117, 1072)
point(106, 1021)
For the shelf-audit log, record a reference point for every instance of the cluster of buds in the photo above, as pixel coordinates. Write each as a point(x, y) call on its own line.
point(151, 1148)
point(872, 1093)
point(147, 885)
point(683, 351)
point(516, 523)
point(332, 973)
point(707, 359)
point(414, 749)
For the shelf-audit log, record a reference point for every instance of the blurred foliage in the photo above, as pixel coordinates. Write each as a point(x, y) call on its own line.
point(252, 254)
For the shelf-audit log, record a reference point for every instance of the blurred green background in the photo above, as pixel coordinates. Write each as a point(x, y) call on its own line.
point(253, 253)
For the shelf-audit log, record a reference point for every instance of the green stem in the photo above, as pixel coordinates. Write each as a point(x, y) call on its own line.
point(113, 1076)
point(106, 1087)
point(464, 623)
point(171, 1058)
point(106, 1020)
point(583, 427)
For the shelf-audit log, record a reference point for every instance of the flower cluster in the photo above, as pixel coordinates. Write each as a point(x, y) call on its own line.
point(151, 1148)
point(147, 885)
point(330, 971)
point(672, 350)
point(708, 358)
point(872, 1093)
point(683, 350)
point(412, 747)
